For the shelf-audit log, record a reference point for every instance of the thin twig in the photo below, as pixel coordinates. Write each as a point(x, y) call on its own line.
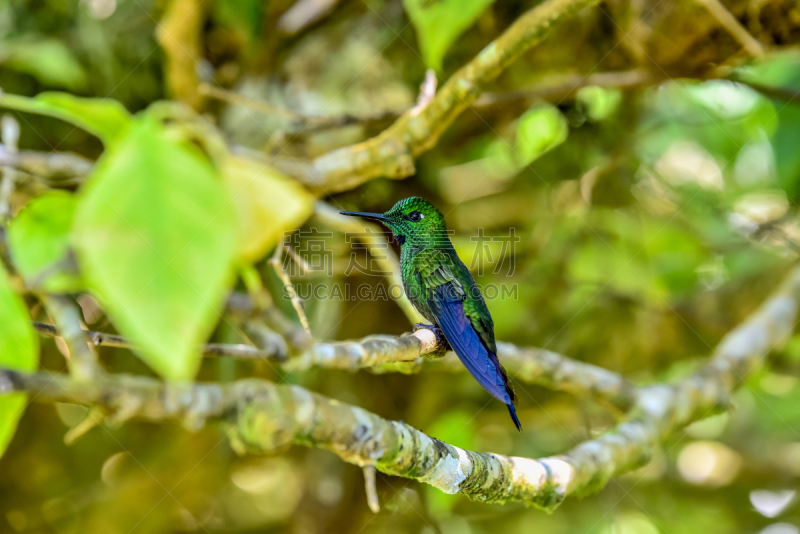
point(94, 417)
point(102, 339)
point(562, 86)
point(230, 97)
point(369, 487)
point(297, 304)
point(300, 262)
point(729, 22)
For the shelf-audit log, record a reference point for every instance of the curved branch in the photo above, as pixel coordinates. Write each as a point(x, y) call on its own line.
point(532, 365)
point(404, 353)
point(391, 153)
point(554, 371)
point(264, 416)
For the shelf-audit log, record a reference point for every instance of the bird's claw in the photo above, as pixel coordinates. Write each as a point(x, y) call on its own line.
point(441, 341)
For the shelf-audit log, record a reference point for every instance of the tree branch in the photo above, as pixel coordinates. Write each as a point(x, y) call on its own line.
point(392, 152)
point(734, 27)
point(532, 365)
point(103, 339)
point(82, 357)
point(264, 416)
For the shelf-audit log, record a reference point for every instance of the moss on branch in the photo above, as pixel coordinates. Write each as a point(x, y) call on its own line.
point(264, 416)
point(405, 353)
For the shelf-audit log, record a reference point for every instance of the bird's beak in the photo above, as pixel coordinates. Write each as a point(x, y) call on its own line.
point(363, 215)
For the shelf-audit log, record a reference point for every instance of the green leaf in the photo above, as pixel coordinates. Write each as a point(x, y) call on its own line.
point(784, 146)
point(103, 117)
point(156, 235)
point(598, 102)
point(539, 130)
point(48, 60)
point(19, 349)
point(38, 239)
point(243, 17)
point(440, 22)
point(778, 69)
point(267, 202)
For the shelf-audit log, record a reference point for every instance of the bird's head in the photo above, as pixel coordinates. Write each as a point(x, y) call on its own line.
point(413, 221)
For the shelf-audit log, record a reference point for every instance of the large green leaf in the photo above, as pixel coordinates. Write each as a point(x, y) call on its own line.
point(38, 238)
point(103, 117)
point(19, 349)
point(440, 22)
point(156, 234)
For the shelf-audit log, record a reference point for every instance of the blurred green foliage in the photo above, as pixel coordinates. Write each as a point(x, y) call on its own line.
point(651, 219)
point(439, 24)
point(38, 241)
point(19, 349)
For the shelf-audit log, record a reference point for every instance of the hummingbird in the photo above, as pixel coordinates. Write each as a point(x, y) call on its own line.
point(443, 290)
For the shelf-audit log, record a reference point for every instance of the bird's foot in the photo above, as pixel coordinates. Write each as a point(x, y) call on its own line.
point(441, 342)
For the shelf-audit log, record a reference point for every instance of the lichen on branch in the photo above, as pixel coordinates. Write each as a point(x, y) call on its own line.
point(262, 416)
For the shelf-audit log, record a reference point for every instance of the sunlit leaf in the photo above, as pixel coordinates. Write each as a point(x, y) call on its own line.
point(103, 117)
point(267, 203)
point(779, 69)
point(19, 349)
point(778, 75)
point(539, 130)
point(440, 22)
point(38, 238)
point(598, 102)
point(156, 234)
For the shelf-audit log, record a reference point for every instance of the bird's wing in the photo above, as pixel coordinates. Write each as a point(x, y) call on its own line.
point(446, 296)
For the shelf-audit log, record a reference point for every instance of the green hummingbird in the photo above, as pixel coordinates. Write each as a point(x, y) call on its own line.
point(443, 290)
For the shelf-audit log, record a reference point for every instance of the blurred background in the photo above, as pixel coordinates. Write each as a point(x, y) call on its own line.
point(636, 178)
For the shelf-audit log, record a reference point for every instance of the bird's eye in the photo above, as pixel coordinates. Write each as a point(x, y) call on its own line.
point(415, 216)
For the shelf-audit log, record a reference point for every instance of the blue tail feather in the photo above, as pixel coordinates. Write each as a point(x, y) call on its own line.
point(470, 349)
point(513, 412)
